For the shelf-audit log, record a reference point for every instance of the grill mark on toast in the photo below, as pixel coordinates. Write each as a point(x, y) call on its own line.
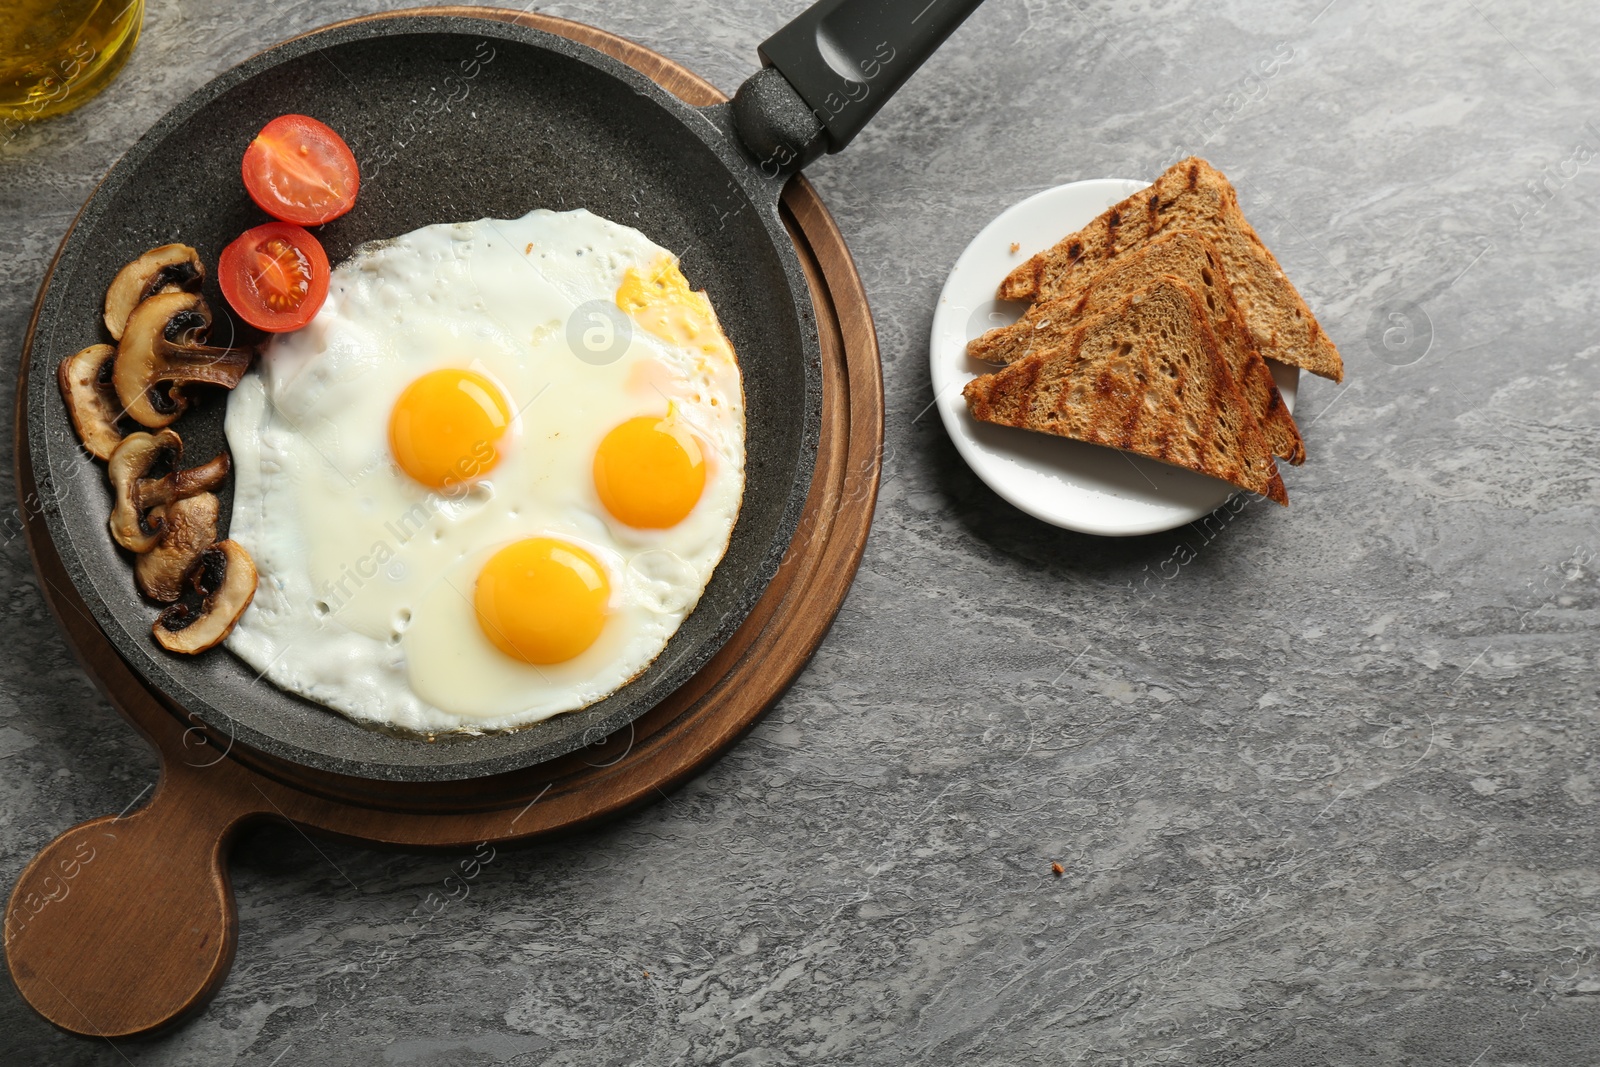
point(1130, 423)
point(1028, 384)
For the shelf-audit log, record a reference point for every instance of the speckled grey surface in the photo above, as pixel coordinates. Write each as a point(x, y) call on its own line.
point(1322, 782)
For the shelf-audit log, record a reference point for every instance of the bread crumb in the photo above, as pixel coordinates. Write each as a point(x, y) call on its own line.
point(1057, 869)
point(1015, 247)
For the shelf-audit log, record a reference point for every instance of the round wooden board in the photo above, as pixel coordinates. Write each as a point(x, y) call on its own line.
point(124, 924)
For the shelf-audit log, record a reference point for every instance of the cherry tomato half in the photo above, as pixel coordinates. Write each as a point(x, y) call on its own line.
point(300, 171)
point(274, 276)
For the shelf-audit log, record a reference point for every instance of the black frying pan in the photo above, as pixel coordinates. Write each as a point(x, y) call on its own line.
point(454, 119)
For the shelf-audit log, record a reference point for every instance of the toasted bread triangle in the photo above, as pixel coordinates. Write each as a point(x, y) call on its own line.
point(1192, 195)
point(1190, 258)
point(1146, 377)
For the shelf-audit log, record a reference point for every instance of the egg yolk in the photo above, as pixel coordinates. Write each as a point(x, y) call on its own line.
point(445, 428)
point(541, 600)
point(661, 302)
point(649, 472)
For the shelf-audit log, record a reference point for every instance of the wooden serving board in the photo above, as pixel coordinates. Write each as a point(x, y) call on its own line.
point(124, 924)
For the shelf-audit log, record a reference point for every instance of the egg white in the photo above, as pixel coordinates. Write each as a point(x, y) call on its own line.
point(366, 576)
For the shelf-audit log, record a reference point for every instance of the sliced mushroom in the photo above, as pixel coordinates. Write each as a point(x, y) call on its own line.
point(85, 380)
point(168, 269)
point(188, 527)
point(161, 351)
point(133, 525)
point(224, 582)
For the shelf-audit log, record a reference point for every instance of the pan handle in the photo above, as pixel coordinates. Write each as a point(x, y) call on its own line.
point(830, 70)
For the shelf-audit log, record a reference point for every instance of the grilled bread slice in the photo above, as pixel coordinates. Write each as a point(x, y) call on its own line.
point(1192, 195)
point(1190, 258)
point(1146, 377)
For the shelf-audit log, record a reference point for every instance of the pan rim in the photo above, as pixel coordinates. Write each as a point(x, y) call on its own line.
point(708, 125)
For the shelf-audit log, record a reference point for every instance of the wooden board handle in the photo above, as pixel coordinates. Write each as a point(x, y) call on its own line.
point(123, 924)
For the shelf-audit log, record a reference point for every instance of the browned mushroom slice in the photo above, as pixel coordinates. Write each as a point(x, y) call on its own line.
point(188, 527)
point(85, 380)
point(223, 582)
point(168, 269)
point(132, 524)
point(161, 351)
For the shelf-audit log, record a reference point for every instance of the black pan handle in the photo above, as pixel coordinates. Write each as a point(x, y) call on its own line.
point(829, 71)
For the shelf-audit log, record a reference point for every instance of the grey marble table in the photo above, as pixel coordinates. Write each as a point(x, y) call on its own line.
point(1322, 782)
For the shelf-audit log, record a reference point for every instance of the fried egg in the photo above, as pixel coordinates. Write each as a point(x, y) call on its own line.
point(491, 477)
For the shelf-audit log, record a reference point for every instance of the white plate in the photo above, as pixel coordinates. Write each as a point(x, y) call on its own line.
point(1071, 484)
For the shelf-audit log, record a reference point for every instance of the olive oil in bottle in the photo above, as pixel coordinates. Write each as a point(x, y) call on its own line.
point(57, 54)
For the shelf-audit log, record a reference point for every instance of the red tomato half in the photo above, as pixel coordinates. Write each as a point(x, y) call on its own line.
point(300, 171)
point(274, 276)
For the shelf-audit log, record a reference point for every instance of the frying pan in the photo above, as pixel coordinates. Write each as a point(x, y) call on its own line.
point(455, 118)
